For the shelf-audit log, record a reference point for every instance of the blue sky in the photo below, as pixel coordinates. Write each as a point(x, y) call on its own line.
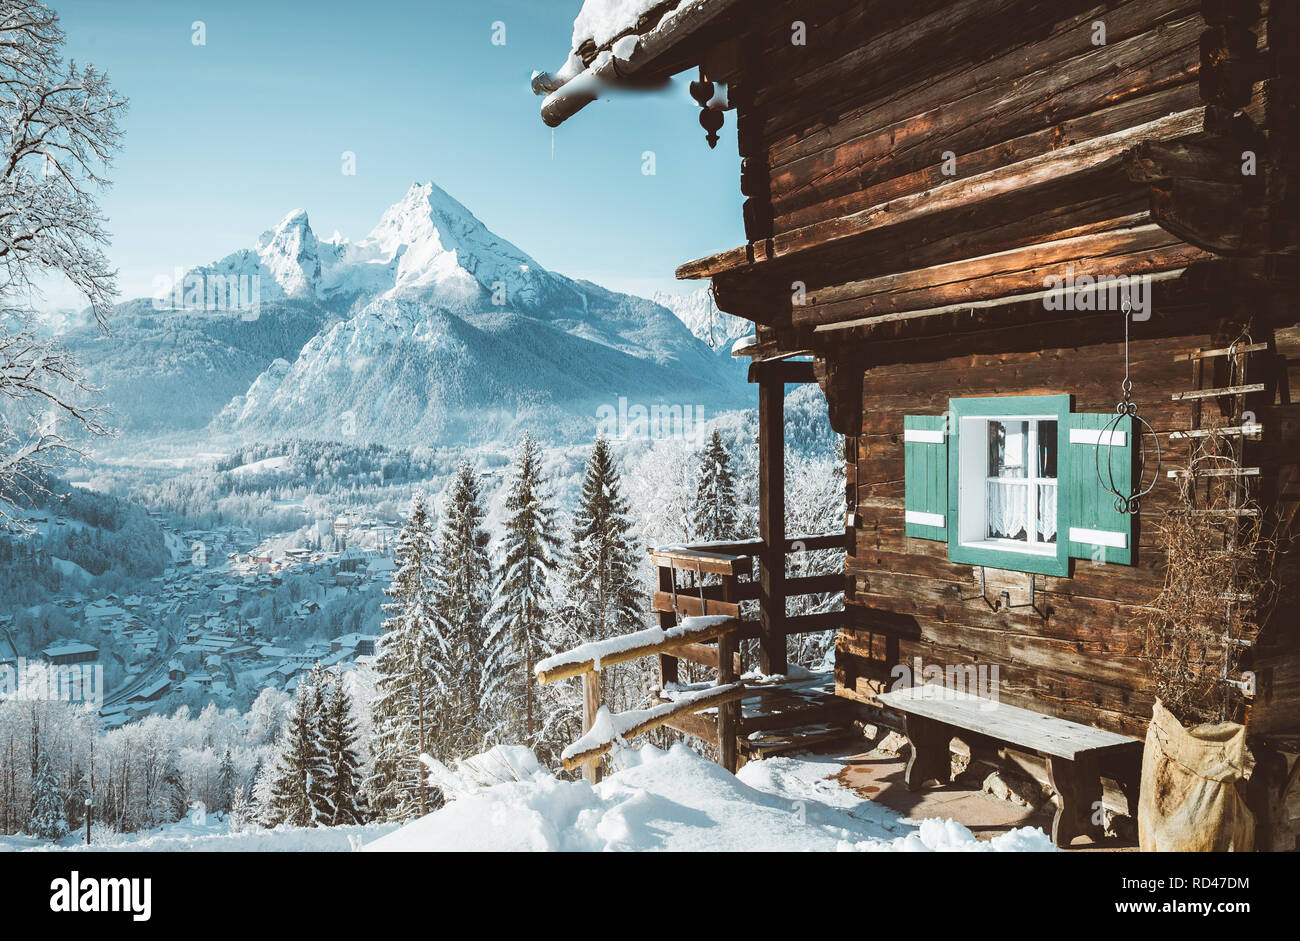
point(222, 140)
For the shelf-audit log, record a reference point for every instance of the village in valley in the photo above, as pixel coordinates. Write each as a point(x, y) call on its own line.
point(219, 651)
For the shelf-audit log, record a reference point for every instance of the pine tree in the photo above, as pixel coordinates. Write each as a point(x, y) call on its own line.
point(301, 770)
point(240, 812)
point(523, 594)
point(603, 596)
point(342, 786)
point(716, 512)
point(602, 567)
point(227, 781)
point(403, 708)
point(470, 663)
point(47, 819)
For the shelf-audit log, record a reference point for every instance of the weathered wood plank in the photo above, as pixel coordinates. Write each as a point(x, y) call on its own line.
point(1046, 734)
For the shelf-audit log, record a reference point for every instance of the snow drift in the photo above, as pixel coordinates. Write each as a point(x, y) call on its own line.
point(672, 800)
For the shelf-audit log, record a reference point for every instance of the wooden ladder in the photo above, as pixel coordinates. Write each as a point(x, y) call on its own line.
point(1230, 469)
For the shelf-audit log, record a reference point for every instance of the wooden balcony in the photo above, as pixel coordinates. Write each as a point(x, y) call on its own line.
point(782, 709)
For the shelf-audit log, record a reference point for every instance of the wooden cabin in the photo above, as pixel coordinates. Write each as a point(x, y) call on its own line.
point(1022, 245)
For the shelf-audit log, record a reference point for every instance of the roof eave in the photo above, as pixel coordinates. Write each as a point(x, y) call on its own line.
point(629, 60)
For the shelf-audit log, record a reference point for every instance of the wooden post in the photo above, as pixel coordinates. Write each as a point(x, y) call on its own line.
point(930, 759)
point(590, 706)
point(667, 619)
point(771, 523)
point(729, 712)
point(1078, 791)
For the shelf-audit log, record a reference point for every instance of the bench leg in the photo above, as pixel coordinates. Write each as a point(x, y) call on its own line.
point(1078, 790)
point(930, 759)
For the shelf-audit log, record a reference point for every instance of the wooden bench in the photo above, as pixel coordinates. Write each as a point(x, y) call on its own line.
point(1073, 752)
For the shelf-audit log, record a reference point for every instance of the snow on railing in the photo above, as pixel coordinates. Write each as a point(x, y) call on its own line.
point(611, 728)
point(600, 653)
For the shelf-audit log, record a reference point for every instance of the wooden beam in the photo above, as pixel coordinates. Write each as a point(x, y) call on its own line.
point(728, 712)
point(826, 584)
point(1005, 276)
point(1043, 170)
point(590, 706)
point(811, 623)
point(634, 646)
point(771, 525)
point(696, 560)
point(657, 716)
point(782, 370)
point(688, 604)
point(667, 621)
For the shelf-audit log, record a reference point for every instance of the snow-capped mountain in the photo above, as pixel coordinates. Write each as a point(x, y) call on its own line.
point(426, 246)
point(702, 317)
point(429, 330)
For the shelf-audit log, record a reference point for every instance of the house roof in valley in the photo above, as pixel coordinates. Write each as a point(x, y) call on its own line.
point(64, 648)
point(627, 44)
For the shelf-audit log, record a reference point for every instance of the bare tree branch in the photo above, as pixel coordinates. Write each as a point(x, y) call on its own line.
point(58, 133)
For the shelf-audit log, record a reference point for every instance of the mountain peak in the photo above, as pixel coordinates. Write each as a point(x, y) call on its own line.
point(290, 254)
point(427, 246)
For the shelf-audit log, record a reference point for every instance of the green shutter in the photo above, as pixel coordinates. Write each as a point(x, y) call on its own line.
point(1087, 515)
point(925, 475)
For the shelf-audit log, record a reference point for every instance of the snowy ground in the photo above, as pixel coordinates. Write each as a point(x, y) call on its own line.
point(673, 800)
point(214, 836)
point(678, 801)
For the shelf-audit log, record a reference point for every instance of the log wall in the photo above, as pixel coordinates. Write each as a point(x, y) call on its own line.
point(1083, 661)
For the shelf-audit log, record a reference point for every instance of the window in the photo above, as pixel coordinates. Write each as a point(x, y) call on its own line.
point(1011, 482)
point(1008, 482)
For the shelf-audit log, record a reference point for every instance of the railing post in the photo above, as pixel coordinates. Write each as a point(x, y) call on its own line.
point(771, 523)
point(667, 619)
point(590, 706)
point(728, 712)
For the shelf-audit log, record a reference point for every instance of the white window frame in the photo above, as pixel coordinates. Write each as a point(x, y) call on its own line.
point(973, 482)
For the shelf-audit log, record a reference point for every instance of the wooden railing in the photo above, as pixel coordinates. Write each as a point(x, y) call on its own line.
point(736, 581)
point(701, 622)
point(602, 729)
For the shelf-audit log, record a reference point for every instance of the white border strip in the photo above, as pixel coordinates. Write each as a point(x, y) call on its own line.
point(1099, 537)
point(1095, 436)
point(923, 436)
point(926, 519)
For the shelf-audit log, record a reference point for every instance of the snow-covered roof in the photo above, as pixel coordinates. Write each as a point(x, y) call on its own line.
point(622, 42)
point(66, 648)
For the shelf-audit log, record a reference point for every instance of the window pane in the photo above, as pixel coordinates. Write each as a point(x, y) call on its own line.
point(1008, 448)
point(1046, 449)
point(1008, 509)
point(1047, 512)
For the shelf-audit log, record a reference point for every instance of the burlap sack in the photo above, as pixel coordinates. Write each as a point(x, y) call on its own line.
point(1189, 801)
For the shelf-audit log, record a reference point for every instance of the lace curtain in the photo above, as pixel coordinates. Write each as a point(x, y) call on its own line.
point(1008, 509)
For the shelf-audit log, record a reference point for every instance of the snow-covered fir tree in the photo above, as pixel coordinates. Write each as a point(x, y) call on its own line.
point(341, 788)
point(47, 819)
point(604, 597)
point(297, 791)
point(471, 660)
point(716, 513)
point(228, 786)
point(402, 711)
point(523, 602)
